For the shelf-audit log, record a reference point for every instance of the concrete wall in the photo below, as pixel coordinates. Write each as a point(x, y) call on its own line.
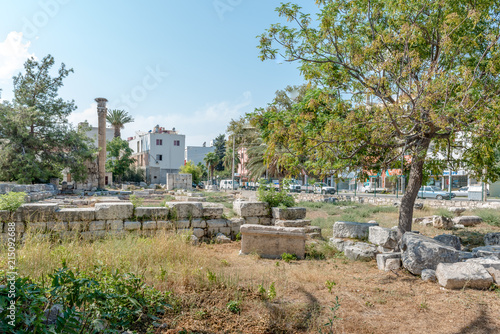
point(179, 181)
point(196, 154)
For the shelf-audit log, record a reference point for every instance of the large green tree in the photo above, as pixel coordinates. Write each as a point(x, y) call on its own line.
point(119, 159)
point(211, 160)
point(220, 151)
point(118, 118)
point(417, 78)
point(36, 140)
point(196, 171)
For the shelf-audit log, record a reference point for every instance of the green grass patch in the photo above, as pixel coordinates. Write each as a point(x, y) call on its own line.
point(489, 216)
point(362, 213)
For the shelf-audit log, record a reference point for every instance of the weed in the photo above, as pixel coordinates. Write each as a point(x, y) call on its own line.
point(238, 236)
point(12, 201)
point(444, 213)
point(224, 262)
point(271, 293)
point(200, 315)
point(334, 317)
point(234, 306)
point(329, 285)
point(136, 201)
point(489, 216)
point(288, 257)
point(274, 197)
point(261, 291)
point(211, 276)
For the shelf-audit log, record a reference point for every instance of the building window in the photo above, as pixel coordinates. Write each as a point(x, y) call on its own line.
point(159, 142)
point(177, 143)
point(159, 157)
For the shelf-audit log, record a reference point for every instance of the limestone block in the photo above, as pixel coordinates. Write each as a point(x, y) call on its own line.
point(442, 222)
point(492, 239)
point(293, 223)
point(381, 236)
point(113, 211)
point(131, 226)
point(487, 251)
point(153, 213)
point(495, 274)
point(457, 210)
point(16, 227)
point(289, 213)
point(449, 240)
point(182, 224)
point(421, 252)
point(392, 264)
point(486, 262)
point(93, 235)
point(467, 220)
point(39, 227)
point(185, 210)
point(265, 221)
point(199, 232)
point(212, 231)
point(360, 251)
point(212, 211)
point(37, 212)
point(272, 241)
point(149, 225)
point(97, 225)
point(75, 214)
point(4, 215)
point(236, 223)
point(462, 256)
point(463, 274)
point(252, 220)
point(251, 209)
point(429, 275)
point(78, 226)
point(351, 230)
point(198, 223)
point(57, 226)
point(221, 238)
point(217, 223)
point(114, 225)
point(164, 225)
point(340, 244)
point(382, 259)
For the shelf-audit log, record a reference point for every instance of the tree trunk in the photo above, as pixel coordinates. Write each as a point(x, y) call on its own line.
point(412, 188)
point(117, 132)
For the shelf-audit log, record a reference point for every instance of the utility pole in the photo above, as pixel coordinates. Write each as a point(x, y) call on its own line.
point(232, 169)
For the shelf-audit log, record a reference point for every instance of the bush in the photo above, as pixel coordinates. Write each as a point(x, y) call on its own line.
point(275, 198)
point(288, 257)
point(100, 301)
point(136, 201)
point(489, 216)
point(12, 201)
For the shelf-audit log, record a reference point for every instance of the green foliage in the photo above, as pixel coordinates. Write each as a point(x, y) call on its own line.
point(98, 301)
point(12, 200)
point(329, 285)
point(211, 276)
point(332, 319)
point(489, 216)
point(238, 236)
point(37, 141)
point(320, 250)
point(220, 151)
point(136, 201)
point(364, 212)
point(274, 197)
point(445, 213)
point(134, 174)
point(288, 257)
point(195, 171)
point(118, 118)
point(119, 158)
point(234, 306)
point(211, 160)
point(267, 294)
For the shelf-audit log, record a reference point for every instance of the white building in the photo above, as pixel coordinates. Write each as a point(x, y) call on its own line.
point(158, 152)
point(196, 154)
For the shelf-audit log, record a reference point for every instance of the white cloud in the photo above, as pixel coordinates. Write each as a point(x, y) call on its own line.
point(200, 126)
point(13, 53)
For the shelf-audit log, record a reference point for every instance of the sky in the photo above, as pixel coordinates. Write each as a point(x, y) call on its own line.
point(191, 65)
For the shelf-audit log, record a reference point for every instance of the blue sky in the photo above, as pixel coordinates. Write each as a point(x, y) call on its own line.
point(192, 65)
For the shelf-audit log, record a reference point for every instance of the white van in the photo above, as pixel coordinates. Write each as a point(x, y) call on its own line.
point(228, 185)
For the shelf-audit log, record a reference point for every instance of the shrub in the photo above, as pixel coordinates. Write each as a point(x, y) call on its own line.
point(12, 201)
point(136, 201)
point(275, 198)
point(445, 213)
point(100, 301)
point(234, 306)
point(288, 257)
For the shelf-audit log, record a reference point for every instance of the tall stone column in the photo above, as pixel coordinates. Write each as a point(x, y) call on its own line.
point(101, 136)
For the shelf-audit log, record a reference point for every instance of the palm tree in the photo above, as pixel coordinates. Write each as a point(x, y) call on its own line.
point(118, 118)
point(228, 159)
point(211, 160)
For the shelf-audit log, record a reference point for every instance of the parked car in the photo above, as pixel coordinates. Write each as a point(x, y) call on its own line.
point(228, 185)
point(323, 188)
point(293, 186)
point(434, 192)
point(371, 187)
point(462, 192)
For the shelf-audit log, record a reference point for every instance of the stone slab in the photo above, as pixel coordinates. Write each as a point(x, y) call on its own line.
point(293, 223)
point(351, 230)
point(114, 211)
point(463, 274)
point(75, 214)
point(251, 209)
point(153, 213)
point(289, 213)
point(185, 210)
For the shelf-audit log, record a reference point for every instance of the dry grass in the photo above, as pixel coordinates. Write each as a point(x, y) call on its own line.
point(203, 279)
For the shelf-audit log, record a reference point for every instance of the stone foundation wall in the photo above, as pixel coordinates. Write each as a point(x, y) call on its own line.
point(205, 220)
point(396, 201)
point(34, 192)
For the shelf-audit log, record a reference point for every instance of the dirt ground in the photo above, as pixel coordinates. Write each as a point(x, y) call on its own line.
point(371, 301)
